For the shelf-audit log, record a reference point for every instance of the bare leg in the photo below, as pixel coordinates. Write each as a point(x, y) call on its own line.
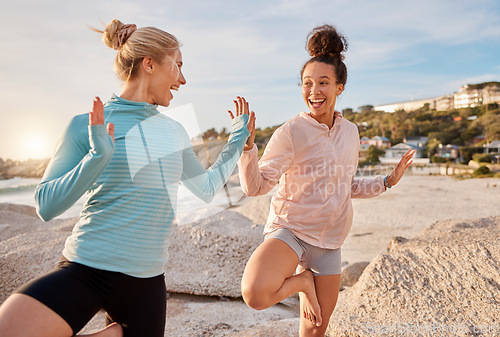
point(269, 277)
point(24, 316)
point(327, 291)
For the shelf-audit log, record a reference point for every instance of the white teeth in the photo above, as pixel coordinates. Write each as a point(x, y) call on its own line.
point(317, 100)
point(174, 88)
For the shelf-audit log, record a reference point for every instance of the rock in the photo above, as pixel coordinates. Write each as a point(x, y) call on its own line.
point(282, 328)
point(27, 256)
point(207, 257)
point(446, 278)
point(32, 168)
point(29, 247)
point(396, 243)
point(351, 274)
point(256, 208)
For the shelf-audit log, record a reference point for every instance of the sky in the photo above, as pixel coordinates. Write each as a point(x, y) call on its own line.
point(52, 64)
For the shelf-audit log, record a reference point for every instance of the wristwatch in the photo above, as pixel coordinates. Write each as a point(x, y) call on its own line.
point(386, 184)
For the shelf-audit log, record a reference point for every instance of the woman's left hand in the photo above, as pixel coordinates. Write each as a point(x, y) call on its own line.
point(397, 173)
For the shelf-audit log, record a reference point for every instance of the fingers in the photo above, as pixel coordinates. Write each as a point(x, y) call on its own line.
point(230, 114)
point(241, 106)
point(96, 116)
point(111, 131)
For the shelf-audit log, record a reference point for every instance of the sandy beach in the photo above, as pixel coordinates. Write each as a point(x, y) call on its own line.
point(405, 210)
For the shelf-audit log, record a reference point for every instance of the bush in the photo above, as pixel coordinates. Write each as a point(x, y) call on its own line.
point(482, 170)
point(482, 158)
point(437, 159)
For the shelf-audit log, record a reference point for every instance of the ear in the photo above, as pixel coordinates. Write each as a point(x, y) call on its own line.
point(340, 89)
point(147, 64)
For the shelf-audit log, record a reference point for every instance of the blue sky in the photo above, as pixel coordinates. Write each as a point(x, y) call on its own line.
point(52, 65)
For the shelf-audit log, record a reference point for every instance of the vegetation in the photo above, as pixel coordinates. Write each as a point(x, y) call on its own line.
point(372, 155)
point(457, 127)
point(482, 170)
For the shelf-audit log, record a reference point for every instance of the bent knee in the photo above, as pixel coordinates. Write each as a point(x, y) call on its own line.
point(255, 297)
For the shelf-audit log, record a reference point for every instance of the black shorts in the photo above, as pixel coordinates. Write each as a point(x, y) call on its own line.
point(77, 292)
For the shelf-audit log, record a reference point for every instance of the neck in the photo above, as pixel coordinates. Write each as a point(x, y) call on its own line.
point(328, 119)
point(136, 91)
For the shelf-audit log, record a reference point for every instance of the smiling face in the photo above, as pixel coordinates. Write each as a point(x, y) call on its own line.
point(165, 77)
point(320, 90)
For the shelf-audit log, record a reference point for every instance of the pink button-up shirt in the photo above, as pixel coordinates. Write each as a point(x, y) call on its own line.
point(315, 168)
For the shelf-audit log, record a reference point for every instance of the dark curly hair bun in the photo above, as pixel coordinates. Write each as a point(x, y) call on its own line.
point(326, 41)
point(326, 45)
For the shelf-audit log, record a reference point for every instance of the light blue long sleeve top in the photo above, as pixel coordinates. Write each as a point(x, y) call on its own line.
point(131, 186)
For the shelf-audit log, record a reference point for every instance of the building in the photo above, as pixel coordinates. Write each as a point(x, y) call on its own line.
point(468, 96)
point(493, 147)
point(420, 142)
point(378, 141)
point(472, 95)
point(448, 151)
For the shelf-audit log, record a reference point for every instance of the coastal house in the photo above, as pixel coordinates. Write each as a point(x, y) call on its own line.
point(493, 147)
point(378, 141)
point(448, 151)
point(419, 142)
point(397, 151)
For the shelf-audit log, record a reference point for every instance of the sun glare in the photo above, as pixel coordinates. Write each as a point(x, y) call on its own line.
point(34, 147)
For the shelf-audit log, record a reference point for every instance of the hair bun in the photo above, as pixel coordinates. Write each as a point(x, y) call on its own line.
point(325, 40)
point(117, 33)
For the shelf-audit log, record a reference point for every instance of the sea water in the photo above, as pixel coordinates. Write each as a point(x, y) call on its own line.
point(189, 207)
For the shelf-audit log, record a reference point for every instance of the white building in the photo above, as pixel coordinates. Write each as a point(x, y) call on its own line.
point(469, 95)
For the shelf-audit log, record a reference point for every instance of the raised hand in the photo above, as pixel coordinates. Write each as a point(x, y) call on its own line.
point(241, 107)
point(400, 169)
point(96, 117)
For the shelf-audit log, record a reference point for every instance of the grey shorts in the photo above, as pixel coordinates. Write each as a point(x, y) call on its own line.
point(320, 261)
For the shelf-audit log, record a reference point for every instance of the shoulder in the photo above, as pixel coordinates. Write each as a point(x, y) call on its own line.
point(349, 126)
point(78, 127)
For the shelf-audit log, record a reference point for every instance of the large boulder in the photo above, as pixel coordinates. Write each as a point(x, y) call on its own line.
point(29, 247)
point(443, 282)
point(207, 257)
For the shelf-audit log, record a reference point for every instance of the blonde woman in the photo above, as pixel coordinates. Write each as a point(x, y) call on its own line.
point(314, 158)
point(130, 170)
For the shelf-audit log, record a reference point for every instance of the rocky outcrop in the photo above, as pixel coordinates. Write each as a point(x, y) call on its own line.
point(444, 282)
point(29, 247)
point(26, 169)
point(207, 257)
point(351, 274)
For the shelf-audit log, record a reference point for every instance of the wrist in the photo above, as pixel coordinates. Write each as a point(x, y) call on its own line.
point(386, 183)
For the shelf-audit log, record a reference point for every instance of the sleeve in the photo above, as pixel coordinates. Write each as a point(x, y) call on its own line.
point(259, 177)
point(364, 188)
point(75, 166)
point(206, 183)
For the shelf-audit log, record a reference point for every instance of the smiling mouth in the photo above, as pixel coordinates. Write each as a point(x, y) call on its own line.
point(316, 103)
point(174, 87)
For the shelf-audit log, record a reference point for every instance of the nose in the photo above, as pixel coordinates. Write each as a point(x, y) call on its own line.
point(182, 79)
point(315, 89)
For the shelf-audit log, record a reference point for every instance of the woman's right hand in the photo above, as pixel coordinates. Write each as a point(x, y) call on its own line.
point(241, 107)
point(96, 117)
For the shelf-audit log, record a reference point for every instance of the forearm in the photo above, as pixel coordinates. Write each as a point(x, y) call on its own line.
point(251, 179)
point(54, 195)
point(363, 188)
point(206, 183)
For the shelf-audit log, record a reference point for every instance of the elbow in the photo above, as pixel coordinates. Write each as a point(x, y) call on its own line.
point(44, 214)
point(42, 209)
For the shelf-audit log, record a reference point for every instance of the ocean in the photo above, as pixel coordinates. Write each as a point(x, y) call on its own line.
point(189, 207)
